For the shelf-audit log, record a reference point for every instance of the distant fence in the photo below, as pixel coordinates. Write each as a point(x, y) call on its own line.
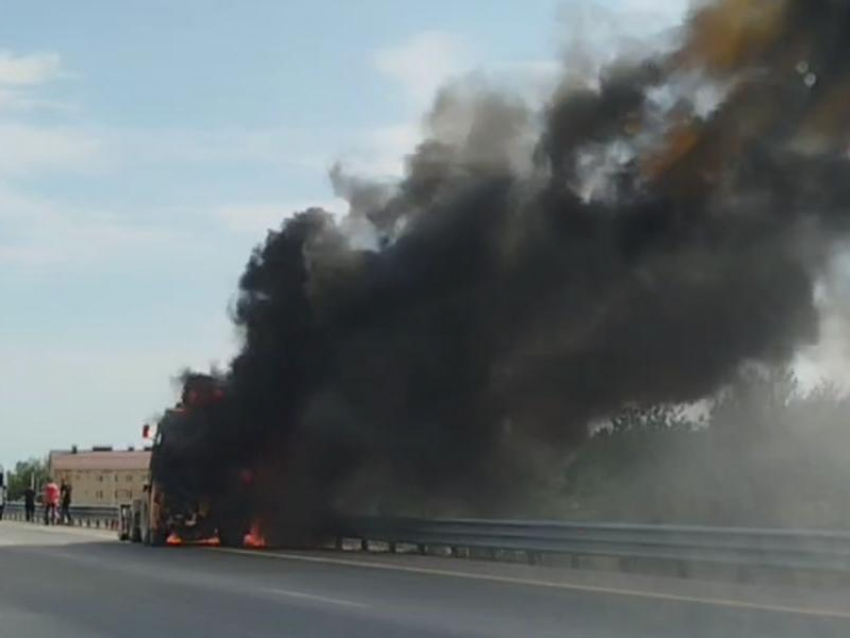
point(786, 549)
point(95, 516)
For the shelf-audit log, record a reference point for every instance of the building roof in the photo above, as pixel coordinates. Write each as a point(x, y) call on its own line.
point(106, 460)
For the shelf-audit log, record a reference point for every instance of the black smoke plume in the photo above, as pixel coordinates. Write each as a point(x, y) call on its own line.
point(535, 271)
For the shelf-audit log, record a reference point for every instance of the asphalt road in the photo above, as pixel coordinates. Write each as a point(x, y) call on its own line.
point(75, 584)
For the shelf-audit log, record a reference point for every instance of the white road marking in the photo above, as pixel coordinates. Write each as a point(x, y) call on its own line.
point(634, 593)
point(321, 599)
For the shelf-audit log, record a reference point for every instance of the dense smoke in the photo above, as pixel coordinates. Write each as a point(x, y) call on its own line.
point(635, 243)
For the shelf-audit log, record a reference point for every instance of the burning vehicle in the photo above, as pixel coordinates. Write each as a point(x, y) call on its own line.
point(177, 506)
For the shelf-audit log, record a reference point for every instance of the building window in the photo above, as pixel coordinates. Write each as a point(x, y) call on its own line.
point(129, 478)
point(100, 478)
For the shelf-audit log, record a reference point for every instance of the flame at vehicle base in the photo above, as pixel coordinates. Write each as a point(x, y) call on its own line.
point(174, 540)
point(213, 541)
point(254, 539)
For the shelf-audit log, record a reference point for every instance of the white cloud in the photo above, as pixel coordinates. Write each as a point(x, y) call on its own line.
point(425, 62)
point(431, 60)
point(81, 242)
point(22, 76)
point(40, 233)
point(300, 148)
point(26, 148)
point(377, 151)
point(21, 100)
point(36, 68)
point(258, 217)
point(651, 15)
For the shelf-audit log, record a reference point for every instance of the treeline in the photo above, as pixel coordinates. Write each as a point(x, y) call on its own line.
point(31, 472)
point(764, 452)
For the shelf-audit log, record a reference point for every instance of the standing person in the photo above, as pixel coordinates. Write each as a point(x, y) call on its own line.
point(51, 501)
point(29, 504)
point(65, 507)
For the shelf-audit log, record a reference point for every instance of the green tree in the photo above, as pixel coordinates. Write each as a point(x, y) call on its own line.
point(26, 473)
point(760, 399)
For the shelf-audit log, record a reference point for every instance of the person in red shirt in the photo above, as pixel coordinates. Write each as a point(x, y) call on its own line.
point(51, 502)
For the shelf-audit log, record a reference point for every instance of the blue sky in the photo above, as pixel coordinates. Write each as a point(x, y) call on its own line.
point(146, 146)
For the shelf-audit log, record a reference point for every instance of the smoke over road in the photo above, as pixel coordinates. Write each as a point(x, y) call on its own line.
point(637, 241)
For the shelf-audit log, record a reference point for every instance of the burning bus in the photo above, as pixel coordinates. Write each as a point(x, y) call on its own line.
point(178, 506)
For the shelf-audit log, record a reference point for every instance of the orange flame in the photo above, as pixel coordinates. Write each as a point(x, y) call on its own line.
point(174, 540)
point(212, 541)
point(254, 539)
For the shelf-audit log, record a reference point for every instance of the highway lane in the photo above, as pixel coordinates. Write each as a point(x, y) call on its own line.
point(76, 583)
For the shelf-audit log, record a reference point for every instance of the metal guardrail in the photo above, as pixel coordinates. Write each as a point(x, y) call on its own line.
point(788, 549)
point(683, 545)
point(96, 516)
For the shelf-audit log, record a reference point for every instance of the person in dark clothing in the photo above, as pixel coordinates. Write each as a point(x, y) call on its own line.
point(29, 504)
point(65, 503)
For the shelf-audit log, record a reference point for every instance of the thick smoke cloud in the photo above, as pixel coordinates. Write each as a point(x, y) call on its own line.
point(535, 271)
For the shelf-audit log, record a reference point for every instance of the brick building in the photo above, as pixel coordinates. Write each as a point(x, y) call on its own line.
point(101, 476)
